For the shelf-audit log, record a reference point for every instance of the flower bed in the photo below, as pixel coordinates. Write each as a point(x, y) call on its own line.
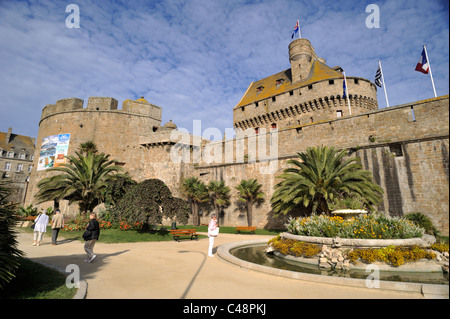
point(80, 223)
point(362, 227)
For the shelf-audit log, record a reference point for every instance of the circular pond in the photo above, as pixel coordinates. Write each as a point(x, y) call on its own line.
point(255, 254)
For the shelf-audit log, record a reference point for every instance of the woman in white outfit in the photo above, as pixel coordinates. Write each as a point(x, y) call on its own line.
point(213, 231)
point(40, 228)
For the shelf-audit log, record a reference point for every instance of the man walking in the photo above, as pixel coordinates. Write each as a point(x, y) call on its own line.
point(57, 224)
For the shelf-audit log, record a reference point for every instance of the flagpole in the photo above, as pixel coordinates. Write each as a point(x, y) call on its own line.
point(384, 85)
point(429, 66)
point(346, 87)
point(299, 33)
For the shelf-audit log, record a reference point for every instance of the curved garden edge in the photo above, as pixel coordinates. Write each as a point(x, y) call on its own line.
point(223, 251)
point(425, 241)
point(81, 291)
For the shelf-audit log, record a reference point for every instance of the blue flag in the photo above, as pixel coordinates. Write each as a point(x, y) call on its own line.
point(344, 95)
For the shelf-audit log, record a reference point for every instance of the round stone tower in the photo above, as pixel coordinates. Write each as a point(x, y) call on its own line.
point(301, 56)
point(66, 124)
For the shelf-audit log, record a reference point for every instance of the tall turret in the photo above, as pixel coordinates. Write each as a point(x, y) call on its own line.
point(301, 56)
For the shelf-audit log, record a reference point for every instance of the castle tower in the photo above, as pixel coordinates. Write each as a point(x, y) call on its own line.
point(308, 92)
point(301, 57)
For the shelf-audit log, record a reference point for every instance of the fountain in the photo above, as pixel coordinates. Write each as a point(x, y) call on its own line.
point(251, 255)
point(348, 213)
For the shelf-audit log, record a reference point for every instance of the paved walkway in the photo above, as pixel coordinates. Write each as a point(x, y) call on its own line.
point(174, 270)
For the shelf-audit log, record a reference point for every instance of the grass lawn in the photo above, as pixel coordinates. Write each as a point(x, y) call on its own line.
point(132, 236)
point(34, 281)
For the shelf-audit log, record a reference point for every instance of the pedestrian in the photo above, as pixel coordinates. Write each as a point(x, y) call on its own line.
point(91, 236)
point(40, 227)
point(57, 224)
point(213, 232)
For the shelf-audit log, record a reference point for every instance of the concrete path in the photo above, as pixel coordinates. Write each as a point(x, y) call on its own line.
point(182, 270)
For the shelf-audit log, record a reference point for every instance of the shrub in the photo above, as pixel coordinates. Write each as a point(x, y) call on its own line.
point(393, 255)
point(440, 247)
point(148, 202)
point(293, 247)
point(424, 222)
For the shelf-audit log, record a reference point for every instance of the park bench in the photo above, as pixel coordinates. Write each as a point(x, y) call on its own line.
point(177, 233)
point(250, 229)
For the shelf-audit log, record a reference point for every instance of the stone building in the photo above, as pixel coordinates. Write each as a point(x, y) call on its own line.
point(16, 162)
point(405, 146)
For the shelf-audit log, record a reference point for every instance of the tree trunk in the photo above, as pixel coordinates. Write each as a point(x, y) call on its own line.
point(195, 215)
point(249, 213)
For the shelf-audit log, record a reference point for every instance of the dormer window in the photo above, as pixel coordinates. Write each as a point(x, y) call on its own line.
point(259, 89)
point(279, 82)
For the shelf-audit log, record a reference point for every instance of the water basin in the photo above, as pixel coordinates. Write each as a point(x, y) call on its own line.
point(255, 254)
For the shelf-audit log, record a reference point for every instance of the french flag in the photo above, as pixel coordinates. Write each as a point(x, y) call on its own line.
point(423, 65)
point(295, 30)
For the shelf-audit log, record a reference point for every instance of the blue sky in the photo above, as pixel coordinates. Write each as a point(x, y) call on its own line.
point(195, 59)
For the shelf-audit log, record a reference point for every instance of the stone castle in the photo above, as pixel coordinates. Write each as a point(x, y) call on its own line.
point(405, 146)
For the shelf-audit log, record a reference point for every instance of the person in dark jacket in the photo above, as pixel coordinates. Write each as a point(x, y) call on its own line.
point(92, 234)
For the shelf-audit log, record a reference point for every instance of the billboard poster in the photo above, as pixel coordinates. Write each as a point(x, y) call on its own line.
point(53, 151)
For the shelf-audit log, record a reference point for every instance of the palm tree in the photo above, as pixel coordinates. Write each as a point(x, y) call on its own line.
point(197, 193)
point(87, 147)
point(83, 180)
point(9, 252)
point(319, 178)
point(249, 192)
point(220, 195)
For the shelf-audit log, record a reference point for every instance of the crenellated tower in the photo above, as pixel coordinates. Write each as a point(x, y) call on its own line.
point(309, 92)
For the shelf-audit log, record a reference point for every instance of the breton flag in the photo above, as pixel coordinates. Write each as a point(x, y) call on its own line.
point(379, 81)
point(378, 77)
point(424, 66)
point(296, 30)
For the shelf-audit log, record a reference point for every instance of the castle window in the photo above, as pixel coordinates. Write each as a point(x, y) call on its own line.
point(291, 93)
point(396, 149)
point(279, 82)
point(19, 167)
point(356, 81)
point(339, 113)
point(7, 166)
point(330, 82)
point(29, 168)
point(243, 108)
point(310, 87)
point(10, 154)
point(22, 156)
point(256, 104)
point(259, 89)
point(273, 98)
point(257, 130)
point(274, 126)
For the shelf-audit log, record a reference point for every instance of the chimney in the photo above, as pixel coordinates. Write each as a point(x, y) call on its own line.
point(8, 136)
